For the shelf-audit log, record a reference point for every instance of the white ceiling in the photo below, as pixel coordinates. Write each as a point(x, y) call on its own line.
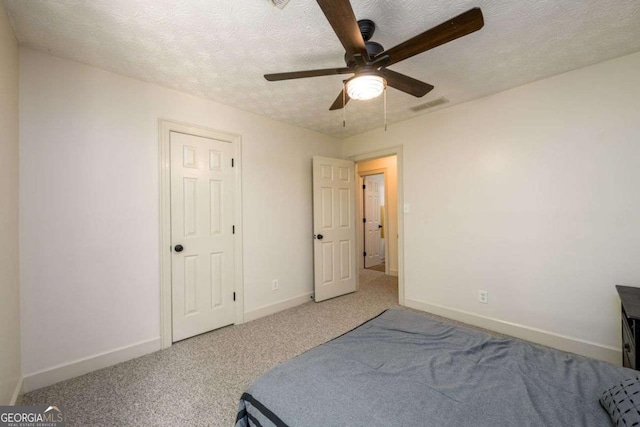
point(220, 49)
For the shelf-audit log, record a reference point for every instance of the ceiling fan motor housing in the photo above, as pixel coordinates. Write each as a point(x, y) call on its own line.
point(373, 48)
point(367, 28)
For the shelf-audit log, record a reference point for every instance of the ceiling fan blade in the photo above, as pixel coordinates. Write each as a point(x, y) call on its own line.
point(338, 103)
point(308, 73)
point(343, 21)
point(405, 83)
point(461, 25)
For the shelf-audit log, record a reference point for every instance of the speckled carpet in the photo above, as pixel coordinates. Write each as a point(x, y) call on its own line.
point(197, 382)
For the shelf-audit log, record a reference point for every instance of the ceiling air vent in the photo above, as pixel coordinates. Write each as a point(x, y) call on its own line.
point(430, 104)
point(280, 3)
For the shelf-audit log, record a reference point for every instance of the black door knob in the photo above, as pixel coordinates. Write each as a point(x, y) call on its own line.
point(379, 226)
point(320, 237)
point(178, 248)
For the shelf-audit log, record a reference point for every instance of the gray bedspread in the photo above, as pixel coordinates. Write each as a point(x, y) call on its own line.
point(407, 369)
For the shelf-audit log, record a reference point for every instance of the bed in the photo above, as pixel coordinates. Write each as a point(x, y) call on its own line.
point(403, 368)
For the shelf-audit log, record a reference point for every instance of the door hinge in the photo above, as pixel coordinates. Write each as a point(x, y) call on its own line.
point(364, 220)
point(364, 187)
point(233, 229)
point(232, 162)
point(234, 296)
point(364, 254)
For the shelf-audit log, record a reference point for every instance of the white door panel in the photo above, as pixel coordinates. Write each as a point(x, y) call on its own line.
point(333, 223)
point(372, 227)
point(202, 220)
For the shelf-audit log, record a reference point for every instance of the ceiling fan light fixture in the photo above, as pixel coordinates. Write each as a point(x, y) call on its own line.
point(365, 87)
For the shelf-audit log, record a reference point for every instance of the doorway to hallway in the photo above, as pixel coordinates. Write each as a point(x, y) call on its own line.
point(378, 210)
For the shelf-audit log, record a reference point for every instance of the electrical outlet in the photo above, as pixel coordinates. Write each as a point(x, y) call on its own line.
point(483, 297)
point(275, 285)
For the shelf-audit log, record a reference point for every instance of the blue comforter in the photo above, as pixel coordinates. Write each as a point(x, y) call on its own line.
point(407, 369)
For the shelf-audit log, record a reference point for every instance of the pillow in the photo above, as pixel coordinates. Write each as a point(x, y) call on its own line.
point(622, 402)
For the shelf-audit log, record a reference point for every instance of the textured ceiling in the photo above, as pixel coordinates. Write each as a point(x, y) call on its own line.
point(220, 49)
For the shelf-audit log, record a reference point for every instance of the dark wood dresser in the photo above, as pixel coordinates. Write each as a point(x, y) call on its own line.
point(630, 303)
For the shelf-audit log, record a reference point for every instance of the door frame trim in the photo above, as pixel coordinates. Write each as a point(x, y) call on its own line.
point(362, 238)
point(165, 127)
point(386, 152)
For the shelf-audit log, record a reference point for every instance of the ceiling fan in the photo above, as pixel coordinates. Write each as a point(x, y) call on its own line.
point(368, 60)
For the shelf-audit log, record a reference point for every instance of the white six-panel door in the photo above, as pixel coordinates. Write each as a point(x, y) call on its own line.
point(334, 248)
point(202, 221)
point(372, 225)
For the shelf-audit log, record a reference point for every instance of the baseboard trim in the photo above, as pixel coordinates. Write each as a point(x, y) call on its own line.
point(83, 366)
point(275, 308)
point(16, 393)
point(551, 339)
point(393, 272)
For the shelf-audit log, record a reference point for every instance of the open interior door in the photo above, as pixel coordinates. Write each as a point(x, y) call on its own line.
point(334, 248)
point(372, 226)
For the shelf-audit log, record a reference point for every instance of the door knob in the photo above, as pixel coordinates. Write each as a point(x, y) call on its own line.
point(318, 236)
point(379, 226)
point(178, 248)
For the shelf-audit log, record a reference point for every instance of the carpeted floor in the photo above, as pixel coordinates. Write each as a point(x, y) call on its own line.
point(379, 267)
point(197, 382)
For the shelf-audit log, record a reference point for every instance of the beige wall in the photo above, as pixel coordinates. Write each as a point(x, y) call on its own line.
point(10, 371)
point(390, 164)
point(89, 184)
point(530, 194)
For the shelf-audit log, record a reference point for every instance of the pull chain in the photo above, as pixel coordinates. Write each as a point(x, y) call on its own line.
point(385, 108)
point(344, 104)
